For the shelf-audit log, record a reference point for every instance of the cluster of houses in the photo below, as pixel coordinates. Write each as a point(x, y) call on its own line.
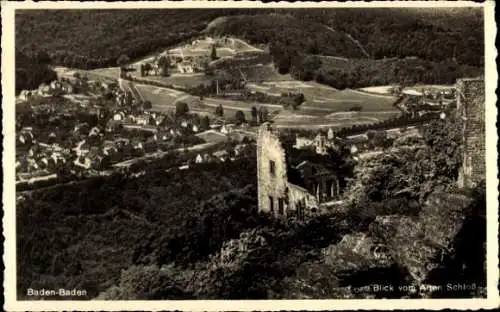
point(421, 101)
point(186, 64)
point(222, 155)
point(183, 64)
point(47, 90)
point(64, 86)
point(150, 121)
point(40, 158)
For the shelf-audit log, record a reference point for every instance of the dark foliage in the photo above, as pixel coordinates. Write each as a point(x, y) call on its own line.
point(193, 239)
point(431, 34)
point(97, 223)
point(30, 73)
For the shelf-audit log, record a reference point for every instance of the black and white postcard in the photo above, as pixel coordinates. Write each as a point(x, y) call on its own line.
point(229, 156)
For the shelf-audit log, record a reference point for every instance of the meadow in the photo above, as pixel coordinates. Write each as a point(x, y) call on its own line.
point(321, 100)
point(184, 80)
point(109, 74)
point(288, 119)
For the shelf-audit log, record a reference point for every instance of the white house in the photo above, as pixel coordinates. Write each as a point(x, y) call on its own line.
point(225, 129)
point(108, 150)
point(83, 162)
point(222, 155)
point(354, 149)
point(22, 139)
point(238, 149)
point(119, 116)
point(25, 95)
point(195, 128)
point(198, 159)
point(67, 88)
point(160, 136)
point(94, 131)
point(56, 85)
point(330, 134)
point(301, 142)
point(80, 149)
point(159, 119)
point(185, 68)
point(143, 119)
point(44, 90)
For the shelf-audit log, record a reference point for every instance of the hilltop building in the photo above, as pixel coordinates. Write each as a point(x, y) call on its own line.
point(292, 183)
point(471, 110)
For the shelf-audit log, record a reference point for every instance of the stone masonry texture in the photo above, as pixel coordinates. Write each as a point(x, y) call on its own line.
point(471, 111)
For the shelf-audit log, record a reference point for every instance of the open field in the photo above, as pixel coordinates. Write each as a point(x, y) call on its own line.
point(378, 89)
point(212, 136)
point(287, 119)
point(346, 99)
point(110, 72)
point(321, 99)
point(185, 80)
point(102, 74)
point(325, 101)
point(162, 98)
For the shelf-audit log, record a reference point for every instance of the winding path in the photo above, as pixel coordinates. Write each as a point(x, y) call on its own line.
point(356, 42)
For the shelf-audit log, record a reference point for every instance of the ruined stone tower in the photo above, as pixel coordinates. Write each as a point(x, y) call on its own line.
point(271, 170)
point(276, 194)
point(471, 112)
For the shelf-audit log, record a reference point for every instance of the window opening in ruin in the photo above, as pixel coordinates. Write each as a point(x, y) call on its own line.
point(271, 204)
point(300, 209)
point(272, 167)
point(281, 209)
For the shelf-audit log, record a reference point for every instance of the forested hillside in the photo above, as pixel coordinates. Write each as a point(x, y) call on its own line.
point(31, 72)
point(434, 34)
point(96, 38)
point(83, 235)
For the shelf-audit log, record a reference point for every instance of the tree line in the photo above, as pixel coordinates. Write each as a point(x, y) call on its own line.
point(31, 72)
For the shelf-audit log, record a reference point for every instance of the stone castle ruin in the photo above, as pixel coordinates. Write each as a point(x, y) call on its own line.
point(291, 186)
point(471, 111)
point(296, 186)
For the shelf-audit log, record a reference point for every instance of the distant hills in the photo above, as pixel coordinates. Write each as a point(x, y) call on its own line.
point(440, 38)
point(431, 34)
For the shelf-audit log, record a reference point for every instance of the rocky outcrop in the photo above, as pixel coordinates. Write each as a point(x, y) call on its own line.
point(420, 244)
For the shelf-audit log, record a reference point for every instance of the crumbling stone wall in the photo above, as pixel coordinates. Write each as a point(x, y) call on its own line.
point(269, 149)
point(471, 111)
point(298, 196)
point(273, 185)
